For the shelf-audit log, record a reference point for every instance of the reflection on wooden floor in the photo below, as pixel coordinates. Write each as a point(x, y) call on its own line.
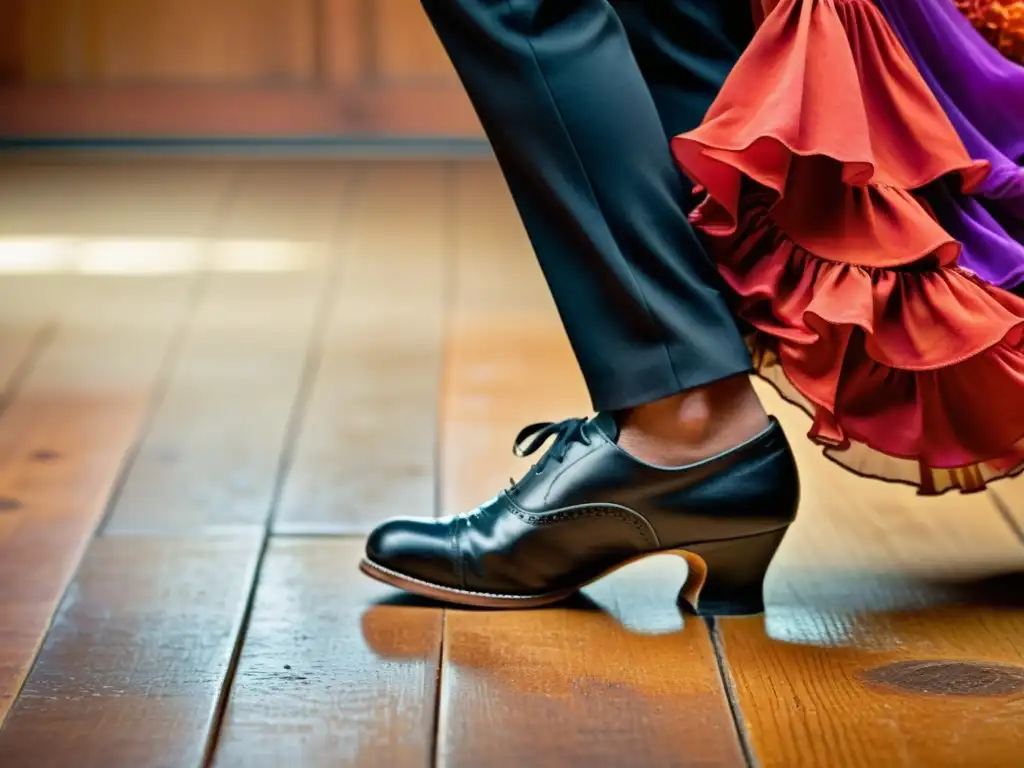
point(217, 376)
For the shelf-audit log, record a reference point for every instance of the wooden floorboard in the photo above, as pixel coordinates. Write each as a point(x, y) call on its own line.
point(29, 299)
point(79, 408)
point(337, 670)
point(108, 202)
point(615, 678)
point(367, 446)
point(1008, 496)
point(190, 339)
point(890, 622)
point(27, 322)
point(131, 674)
point(210, 459)
point(19, 346)
point(62, 441)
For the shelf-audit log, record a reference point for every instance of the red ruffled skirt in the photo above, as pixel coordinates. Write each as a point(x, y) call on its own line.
point(812, 158)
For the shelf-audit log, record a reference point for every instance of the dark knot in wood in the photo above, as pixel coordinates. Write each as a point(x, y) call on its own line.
point(948, 678)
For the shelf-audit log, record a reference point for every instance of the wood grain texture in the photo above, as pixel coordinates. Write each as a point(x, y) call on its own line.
point(211, 457)
point(20, 342)
point(132, 670)
point(405, 45)
point(250, 68)
point(417, 110)
point(28, 312)
point(108, 42)
point(343, 44)
point(337, 670)
point(65, 434)
point(62, 441)
point(615, 678)
point(29, 292)
point(104, 42)
point(893, 623)
point(12, 41)
point(50, 40)
point(869, 577)
point(367, 444)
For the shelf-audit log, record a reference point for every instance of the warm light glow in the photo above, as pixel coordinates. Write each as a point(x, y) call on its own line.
point(139, 257)
point(35, 254)
point(43, 254)
point(265, 256)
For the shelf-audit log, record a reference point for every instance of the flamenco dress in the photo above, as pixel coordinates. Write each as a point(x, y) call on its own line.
point(982, 93)
point(813, 161)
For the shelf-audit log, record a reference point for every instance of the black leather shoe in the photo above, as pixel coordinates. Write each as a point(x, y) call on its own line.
point(587, 508)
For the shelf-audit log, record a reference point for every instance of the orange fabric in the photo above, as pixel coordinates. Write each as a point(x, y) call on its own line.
point(1001, 23)
point(811, 158)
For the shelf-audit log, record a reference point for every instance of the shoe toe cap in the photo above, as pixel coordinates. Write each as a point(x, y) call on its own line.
point(416, 548)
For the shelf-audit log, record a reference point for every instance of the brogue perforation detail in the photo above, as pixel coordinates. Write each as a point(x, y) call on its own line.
point(575, 513)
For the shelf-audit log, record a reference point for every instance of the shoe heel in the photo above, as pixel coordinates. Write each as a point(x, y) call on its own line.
point(726, 578)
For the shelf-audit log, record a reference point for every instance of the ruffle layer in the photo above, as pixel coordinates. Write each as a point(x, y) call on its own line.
point(912, 369)
point(884, 357)
point(824, 78)
point(872, 225)
point(983, 95)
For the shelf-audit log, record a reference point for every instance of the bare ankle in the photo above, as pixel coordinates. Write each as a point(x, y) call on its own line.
point(693, 424)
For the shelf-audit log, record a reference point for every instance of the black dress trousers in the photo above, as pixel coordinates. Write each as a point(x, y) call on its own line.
point(578, 99)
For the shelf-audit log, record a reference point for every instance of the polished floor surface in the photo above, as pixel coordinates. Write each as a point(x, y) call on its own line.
point(217, 376)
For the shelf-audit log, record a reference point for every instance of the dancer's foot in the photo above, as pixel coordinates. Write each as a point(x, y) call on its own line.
point(693, 425)
point(587, 508)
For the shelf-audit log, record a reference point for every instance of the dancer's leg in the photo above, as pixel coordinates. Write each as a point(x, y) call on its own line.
point(582, 146)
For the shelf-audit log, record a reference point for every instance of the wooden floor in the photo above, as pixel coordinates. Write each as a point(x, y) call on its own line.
point(216, 377)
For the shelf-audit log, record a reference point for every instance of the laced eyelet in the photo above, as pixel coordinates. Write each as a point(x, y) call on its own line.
point(565, 433)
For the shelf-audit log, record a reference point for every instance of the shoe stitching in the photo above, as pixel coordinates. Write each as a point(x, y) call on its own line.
point(459, 591)
point(625, 514)
point(541, 596)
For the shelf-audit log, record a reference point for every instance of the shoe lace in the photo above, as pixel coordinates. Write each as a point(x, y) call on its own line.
point(565, 433)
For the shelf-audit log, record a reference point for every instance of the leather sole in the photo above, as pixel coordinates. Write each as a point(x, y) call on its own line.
point(724, 578)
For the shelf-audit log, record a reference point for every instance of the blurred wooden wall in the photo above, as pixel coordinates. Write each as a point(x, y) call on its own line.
point(225, 68)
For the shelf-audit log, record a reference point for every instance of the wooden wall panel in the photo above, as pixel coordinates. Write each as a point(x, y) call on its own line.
point(247, 68)
point(12, 53)
point(155, 41)
point(404, 44)
point(342, 41)
point(51, 40)
point(251, 41)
